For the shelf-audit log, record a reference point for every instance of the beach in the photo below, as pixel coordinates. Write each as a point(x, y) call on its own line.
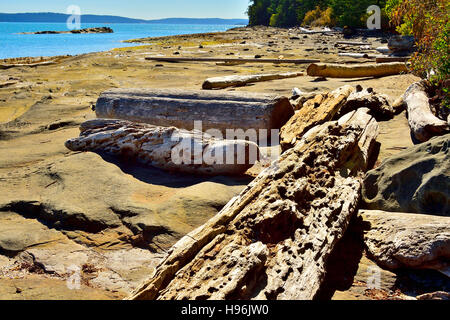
point(42, 181)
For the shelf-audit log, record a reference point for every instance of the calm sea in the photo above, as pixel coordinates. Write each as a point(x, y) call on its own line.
point(13, 45)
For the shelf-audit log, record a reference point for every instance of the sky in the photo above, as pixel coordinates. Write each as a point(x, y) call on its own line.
point(140, 9)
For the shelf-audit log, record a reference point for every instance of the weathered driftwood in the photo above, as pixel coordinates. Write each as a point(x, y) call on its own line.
point(242, 60)
point(384, 50)
point(357, 55)
point(423, 123)
point(180, 108)
point(353, 43)
point(392, 59)
point(273, 240)
point(323, 107)
point(240, 80)
point(378, 104)
point(17, 65)
point(167, 148)
point(356, 70)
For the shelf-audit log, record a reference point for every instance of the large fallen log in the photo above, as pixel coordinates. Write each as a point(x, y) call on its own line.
point(180, 108)
point(353, 43)
point(273, 240)
point(230, 60)
point(423, 123)
point(316, 111)
point(357, 55)
point(356, 70)
point(239, 80)
point(170, 149)
point(385, 59)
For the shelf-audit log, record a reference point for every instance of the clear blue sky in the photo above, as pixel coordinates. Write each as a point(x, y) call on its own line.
point(143, 9)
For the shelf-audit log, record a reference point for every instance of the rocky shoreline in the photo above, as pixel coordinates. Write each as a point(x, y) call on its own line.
point(351, 196)
point(78, 31)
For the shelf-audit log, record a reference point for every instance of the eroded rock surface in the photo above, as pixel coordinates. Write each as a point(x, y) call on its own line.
point(273, 240)
point(82, 211)
point(403, 240)
point(416, 180)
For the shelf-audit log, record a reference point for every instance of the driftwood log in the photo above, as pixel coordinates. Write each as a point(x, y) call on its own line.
point(356, 70)
point(357, 55)
point(273, 240)
point(423, 123)
point(230, 60)
point(392, 59)
point(323, 107)
point(166, 148)
point(240, 80)
point(180, 108)
point(17, 65)
point(354, 43)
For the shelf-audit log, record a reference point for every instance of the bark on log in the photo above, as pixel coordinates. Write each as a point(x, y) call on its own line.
point(314, 112)
point(273, 240)
point(356, 70)
point(239, 80)
point(180, 108)
point(166, 148)
point(192, 59)
point(423, 123)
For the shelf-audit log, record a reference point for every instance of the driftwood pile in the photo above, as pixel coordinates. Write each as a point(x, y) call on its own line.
point(167, 148)
point(273, 240)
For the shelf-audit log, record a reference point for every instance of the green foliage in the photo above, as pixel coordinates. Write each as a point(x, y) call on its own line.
point(288, 13)
point(428, 21)
point(319, 17)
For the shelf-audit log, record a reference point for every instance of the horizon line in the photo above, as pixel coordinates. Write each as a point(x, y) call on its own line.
point(112, 15)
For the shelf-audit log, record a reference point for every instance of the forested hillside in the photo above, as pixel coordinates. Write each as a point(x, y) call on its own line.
point(288, 13)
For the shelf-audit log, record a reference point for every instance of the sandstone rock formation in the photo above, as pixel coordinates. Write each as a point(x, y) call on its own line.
point(314, 112)
point(416, 180)
point(167, 148)
point(180, 108)
point(401, 43)
point(115, 220)
point(404, 240)
point(273, 240)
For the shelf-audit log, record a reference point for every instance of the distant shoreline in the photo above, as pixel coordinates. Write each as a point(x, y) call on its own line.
point(126, 41)
point(49, 17)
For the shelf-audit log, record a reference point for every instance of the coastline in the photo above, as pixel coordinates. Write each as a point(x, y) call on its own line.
point(45, 106)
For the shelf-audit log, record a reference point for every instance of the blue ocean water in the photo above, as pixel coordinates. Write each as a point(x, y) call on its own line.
point(14, 45)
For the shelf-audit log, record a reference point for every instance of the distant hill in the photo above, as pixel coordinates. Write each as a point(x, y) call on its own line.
point(48, 17)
